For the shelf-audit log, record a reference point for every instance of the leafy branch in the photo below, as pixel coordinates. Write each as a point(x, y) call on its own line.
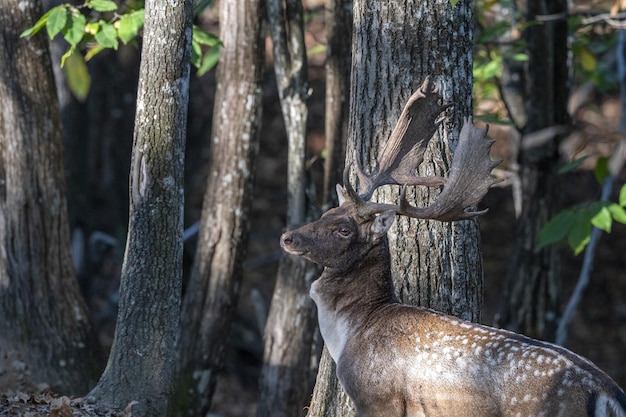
point(103, 27)
point(575, 224)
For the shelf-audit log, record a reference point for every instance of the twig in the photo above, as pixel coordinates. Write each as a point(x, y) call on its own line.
point(615, 21)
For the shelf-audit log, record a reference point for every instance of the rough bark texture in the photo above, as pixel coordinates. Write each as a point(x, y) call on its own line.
point(286, 381)
point(142, 359)
point(44, 324)
point(213, 288)
point(338, 19)
point(532, 295)
point(395, 45)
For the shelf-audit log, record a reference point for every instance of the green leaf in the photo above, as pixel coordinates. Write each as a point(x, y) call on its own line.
point(492, 69)
point(572, 165)
point(519, 57)
point(92, 28)
point(102, 5)
point(93, 51)
point(617, 212)
point(77, 76)
point(453, 2)
point(580, 232)
point(129, 25)
point(67, 54)
point(205, 38)
point(40, 24)
point(622, 196)
point(601, 171)
point(107, 36)
point(587, 60)
point(317, 49)
point(556, 229)
point(603, 220)
point(209, 60)
point(56, 20)
point(196, 54)
point(75, 28)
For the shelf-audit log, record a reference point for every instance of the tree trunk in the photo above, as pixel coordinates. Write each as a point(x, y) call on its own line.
point(44, 321)
point(338, 58)
point(142, 359)
point(532, 295)
point(338, 61)
point(213, 288)
point(395, 45)
point(291, 327)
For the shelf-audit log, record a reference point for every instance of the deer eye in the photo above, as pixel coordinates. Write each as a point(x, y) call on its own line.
point(344, 231)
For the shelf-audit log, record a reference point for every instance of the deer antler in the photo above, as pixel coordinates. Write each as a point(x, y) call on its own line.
point(404, 151)
point(468, 182)
point(469, 177)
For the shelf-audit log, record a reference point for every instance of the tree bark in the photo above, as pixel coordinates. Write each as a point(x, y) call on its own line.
point(44, 321)
point(142, 360)
point(328, 394)
point(213, 288)
point(286, 379)
point(395, 45)
point(338, 59)
point(533, 285)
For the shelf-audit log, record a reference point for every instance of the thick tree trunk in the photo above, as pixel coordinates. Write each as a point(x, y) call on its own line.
point(532, 295)
point(286, 380)
point(43, 322)
point(142, 359)
point(213, 288)
point(395, 45)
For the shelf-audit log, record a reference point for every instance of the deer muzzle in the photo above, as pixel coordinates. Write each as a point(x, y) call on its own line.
point(289, 242)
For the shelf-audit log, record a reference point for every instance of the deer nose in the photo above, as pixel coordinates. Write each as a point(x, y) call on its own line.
point(286, 239)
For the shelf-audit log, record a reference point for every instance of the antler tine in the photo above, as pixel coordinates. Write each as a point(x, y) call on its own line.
point(348, 192)
point(467, 184)
point(364, 209)
point(404, 151)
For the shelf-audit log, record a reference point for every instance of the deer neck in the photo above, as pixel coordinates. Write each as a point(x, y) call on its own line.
point(346, 298)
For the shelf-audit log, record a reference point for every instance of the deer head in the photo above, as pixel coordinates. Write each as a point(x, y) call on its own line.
point(467, 183)
point(345, 233)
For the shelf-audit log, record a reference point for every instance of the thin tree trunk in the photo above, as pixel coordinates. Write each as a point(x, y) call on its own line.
point(532, 294)
point(290, 329)
point(338, 59)
point(43, 322)
point(395, 45)
point(213, 287)
point(142, 360)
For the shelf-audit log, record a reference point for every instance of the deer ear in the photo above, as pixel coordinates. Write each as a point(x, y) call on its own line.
point(341, 194)
point(382, 223)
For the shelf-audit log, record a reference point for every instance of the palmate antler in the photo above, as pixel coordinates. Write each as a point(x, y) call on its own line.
point(404, 151)
point(469, 177)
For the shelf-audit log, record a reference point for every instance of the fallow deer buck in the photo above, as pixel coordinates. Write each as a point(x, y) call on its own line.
point(397, 360)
